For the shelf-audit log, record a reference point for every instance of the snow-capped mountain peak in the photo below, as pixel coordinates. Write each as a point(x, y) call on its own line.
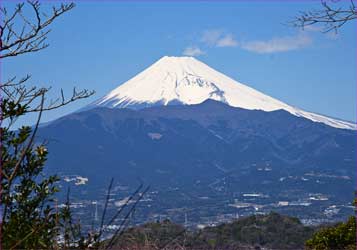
point(185, 80)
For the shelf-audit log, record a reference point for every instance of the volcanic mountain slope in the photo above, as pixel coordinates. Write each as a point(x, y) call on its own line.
point(185, 80)
point(174, 144)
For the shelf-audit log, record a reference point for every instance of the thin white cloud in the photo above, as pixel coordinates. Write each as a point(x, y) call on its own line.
point(210, 37)
point(227, 41)
point(313, 28)
point(218, 38)
point(278, 44)
point(193, 51)
point(332, 35)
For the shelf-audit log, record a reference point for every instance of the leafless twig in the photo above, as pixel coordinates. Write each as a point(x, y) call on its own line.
point(331, 17)
point(119, 232)
point(20, 35)
point(105, 209)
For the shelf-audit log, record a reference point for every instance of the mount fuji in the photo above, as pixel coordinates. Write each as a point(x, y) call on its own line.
point(187, 81)
point(204, 143)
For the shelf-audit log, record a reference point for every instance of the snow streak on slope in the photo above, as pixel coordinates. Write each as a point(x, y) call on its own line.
point(185, 80)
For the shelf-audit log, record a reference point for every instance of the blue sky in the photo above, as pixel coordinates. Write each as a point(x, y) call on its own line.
point(99, 45)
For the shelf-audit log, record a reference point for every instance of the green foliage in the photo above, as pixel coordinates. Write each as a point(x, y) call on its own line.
point(29, 219)
point(340, 236)
point(11, 108)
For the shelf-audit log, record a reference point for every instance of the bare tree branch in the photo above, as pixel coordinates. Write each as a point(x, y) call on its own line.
point(119, 232)
point(18, 93)
point(331, 17)
point(125, 204)
point(105, 208)
point(29, 144)
point(20, 34)
point(32, 35)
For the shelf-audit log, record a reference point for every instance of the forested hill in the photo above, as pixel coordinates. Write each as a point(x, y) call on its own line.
point(272, 231)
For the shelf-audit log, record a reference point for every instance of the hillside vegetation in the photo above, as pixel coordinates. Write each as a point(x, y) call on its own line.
point(272, 231)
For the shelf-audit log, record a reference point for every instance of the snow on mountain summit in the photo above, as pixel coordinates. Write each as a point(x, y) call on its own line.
point(185, 80)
